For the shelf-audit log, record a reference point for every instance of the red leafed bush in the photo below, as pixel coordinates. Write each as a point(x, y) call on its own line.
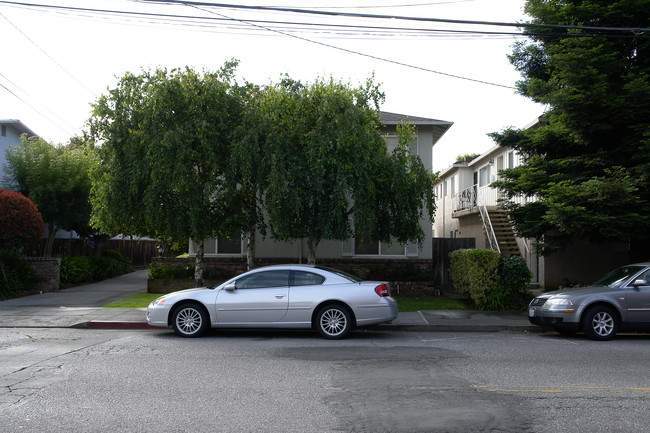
point(19, 219)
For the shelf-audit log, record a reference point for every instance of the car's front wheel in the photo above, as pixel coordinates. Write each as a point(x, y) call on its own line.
point(190, 320)
point(333, 321)
point(600, 323)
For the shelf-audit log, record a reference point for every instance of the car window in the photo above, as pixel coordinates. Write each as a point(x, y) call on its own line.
point(263, 279)
point(617, 277)
point(301, 278)
point(352, 278)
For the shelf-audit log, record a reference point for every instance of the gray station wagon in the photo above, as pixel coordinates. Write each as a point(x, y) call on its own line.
point(618, 301)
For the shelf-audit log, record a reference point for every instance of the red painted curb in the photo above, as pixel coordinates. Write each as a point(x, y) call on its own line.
point(109, 324)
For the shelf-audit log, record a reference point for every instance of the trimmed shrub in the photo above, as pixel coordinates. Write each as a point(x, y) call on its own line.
point(164, 272)
point(493, 282)
point(475, 273)
point(75, 270)
point(16, 276)
point(82, 269)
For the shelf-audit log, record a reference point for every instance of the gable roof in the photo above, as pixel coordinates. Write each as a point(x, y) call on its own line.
point(439, 127)
point(18, 126)
point(395, 118)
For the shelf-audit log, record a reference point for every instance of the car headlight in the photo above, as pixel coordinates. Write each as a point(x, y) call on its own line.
point(563, 304)
point(159, 301)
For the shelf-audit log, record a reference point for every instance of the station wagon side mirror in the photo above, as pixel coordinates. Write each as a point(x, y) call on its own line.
point(638, 283)
point(230, 287)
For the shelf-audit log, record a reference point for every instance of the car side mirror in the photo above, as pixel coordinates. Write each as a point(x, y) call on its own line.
point(230, 287)
point(638, 283)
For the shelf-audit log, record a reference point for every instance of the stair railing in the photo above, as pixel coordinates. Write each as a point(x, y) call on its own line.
point(489, 229)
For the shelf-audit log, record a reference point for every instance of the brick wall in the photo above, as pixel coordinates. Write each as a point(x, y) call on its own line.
point(47, 270)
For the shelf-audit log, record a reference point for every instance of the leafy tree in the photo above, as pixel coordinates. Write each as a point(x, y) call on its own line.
point(248, 170)
point(55, 177)
point(20, 220)
point(329, 173)
point(165, 141)
point(586, 161)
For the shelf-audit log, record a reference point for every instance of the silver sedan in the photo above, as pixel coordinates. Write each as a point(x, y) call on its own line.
point(620, 300)
point(287, 296)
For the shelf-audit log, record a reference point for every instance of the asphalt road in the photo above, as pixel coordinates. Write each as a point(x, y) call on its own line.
point(74, 380)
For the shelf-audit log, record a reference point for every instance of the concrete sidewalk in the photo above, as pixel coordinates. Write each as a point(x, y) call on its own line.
point(80, 307)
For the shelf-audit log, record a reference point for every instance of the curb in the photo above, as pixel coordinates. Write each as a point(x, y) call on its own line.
point(126, 324)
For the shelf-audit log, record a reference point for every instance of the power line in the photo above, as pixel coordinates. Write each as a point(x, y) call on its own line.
point(36, 109)
point(48, 56)
point(375, 57)
point(396, 17)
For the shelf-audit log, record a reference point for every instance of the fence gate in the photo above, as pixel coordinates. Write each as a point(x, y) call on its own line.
point(441, 249)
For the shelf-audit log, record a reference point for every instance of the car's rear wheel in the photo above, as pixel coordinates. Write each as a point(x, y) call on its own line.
point(333, 321)
point(190, 320)
point(600, 323)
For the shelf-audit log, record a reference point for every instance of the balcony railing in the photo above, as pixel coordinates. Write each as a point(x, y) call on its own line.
point(471, 198)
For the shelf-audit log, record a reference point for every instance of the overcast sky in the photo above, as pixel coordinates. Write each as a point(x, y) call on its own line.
point(56, 62)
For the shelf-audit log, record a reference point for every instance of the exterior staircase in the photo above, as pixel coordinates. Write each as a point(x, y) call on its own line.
point(503, 232)
point(499, 231)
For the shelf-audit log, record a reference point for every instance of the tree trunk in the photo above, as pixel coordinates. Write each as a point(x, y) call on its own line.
point(198, 264)
point(49, 242)
point(250, 249)
point(311, 251)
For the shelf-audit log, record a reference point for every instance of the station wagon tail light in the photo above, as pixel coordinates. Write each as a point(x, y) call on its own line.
point(382, 290)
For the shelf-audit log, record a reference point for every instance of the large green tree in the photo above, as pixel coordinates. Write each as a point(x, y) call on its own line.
point(586, 163)
point(330, 176)
point(164, 144)
point(57, 179)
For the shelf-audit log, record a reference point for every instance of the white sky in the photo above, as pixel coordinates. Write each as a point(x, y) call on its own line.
point(58, 62)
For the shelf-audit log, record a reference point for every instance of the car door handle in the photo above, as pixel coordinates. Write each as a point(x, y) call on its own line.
point(279, 296)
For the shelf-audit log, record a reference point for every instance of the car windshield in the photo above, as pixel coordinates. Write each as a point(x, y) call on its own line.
point(618, 276)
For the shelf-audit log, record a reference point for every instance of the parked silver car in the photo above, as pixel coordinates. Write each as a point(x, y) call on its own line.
point(288, 296)
point(618, 301)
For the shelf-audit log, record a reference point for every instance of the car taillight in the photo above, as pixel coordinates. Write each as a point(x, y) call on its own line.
point(382, 290)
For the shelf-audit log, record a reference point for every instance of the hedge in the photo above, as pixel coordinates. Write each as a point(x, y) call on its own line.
point(493, 282)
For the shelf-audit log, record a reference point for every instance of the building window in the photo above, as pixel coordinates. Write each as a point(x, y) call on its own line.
point(365, 247)
point(222, 246)
point(3, 130)
point(484, 176)
point(230, 246)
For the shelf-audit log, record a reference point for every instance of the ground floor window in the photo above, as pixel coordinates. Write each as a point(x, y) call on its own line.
point(366, 247)
point(225, 245)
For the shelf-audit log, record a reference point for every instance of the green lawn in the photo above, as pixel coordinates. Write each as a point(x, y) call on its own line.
point(142, 300)
point(138, 300)
point(417, 304)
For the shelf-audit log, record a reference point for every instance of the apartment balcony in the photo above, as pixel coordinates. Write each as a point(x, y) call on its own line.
point(470, 200)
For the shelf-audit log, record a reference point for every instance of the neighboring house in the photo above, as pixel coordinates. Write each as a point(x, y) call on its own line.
point(10, 132)
point(429, 132)
point(468, 207)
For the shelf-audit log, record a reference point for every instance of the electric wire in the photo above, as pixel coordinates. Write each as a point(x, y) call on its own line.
point(395, 17)
point(395, 62)
point(70, 74)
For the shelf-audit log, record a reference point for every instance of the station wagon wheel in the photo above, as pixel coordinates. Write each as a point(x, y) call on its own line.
point(600, 323)
point(333, 321)
point(190, 320)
